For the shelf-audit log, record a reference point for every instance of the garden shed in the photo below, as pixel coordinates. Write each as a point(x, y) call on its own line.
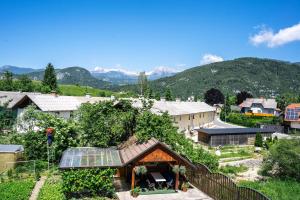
point(155, 157)
point(231, 136)
point(9, 154)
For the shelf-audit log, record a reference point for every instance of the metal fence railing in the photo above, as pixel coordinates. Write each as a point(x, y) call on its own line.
point(221, 187)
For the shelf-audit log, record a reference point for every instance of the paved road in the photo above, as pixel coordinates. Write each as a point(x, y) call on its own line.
point(217, 123)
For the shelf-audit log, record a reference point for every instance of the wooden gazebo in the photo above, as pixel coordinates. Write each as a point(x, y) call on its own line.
point(153, 154)
point(152, 151)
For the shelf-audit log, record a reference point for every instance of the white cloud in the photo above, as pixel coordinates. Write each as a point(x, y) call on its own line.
point(210, 58)
point(271, 39)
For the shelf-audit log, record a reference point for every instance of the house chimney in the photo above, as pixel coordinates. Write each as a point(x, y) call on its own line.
point(178, 100)
point(163, 99)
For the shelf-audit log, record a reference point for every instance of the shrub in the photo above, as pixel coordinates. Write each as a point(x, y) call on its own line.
point(88, 182)
point(258, 140)
point(283, 159)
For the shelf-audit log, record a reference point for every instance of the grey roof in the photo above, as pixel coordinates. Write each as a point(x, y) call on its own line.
point(48, 102)
point(11, 148)
point(86, 157)
point(232, 131)
point(12, 97)
point(177, 107)
point(266, 103)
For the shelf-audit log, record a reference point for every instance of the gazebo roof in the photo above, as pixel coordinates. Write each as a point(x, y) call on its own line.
point(86, 157)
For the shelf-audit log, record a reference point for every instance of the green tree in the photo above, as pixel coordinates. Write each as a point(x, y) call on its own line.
point(105, 124)
point(157, 96)
point(49, 80)
point(241, 96)
point(168, 95)
point(24, 84)
point(283, 159)
point(143, 83)
point(7, 82)
point(258, 140)
point(65, 135)
point(213, 96)
point(226, 110)
point(7, 117)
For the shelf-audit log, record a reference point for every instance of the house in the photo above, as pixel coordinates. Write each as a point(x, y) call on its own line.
point(156, 156)
point(9, 154)
point(231, 136)
point(62, 106)
point(186, 115)
point(292, 115)
point(259, 107)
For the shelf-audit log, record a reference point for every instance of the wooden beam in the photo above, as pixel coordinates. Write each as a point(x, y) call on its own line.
point(177, 181)
point(132, 178)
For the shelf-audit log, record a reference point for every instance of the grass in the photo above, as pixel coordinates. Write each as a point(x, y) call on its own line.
point(228, 169)
point(77, 90)
point(276, 189)
point(19, 189)
point(52, 190)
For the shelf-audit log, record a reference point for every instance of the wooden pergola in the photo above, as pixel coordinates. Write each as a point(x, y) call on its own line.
point(152, 151)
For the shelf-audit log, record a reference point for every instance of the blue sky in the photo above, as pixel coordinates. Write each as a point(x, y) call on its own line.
point(141, 35)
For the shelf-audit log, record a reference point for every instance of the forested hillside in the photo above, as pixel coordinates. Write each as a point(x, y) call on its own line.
point(261, 77)
point(73, 75)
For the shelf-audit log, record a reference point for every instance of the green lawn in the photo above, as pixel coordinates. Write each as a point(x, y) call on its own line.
point(20, 189)
point(276, 189)
point(74, 90)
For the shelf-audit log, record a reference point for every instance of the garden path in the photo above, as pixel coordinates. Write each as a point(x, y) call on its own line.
point(37, 188)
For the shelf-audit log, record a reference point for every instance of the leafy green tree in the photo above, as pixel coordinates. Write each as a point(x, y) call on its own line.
point(258, 140)
point(65, 133)
point(7, 82)
point(283, 159)
point(105, 124)
point(285, 99)
point(7, 117)
point(226, 109)
point(149, 93)
point(50, 78)
point(161, 127)
point(168, 95)
point(241, 96)
point(157, 96)
point(213, 96)
point(24, 84)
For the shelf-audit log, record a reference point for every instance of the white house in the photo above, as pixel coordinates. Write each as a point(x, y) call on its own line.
point(260, 107)
point(186, 115)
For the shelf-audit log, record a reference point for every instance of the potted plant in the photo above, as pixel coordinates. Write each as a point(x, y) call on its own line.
point(185, 186)
point(182, 170)
point(140, 170)
point(175, 169)
point(136, 191)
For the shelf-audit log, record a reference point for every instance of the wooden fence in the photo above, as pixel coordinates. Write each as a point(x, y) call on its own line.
point(221, 187)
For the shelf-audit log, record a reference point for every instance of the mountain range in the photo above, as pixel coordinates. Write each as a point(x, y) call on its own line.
point(99, 77)
point(261, 77)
